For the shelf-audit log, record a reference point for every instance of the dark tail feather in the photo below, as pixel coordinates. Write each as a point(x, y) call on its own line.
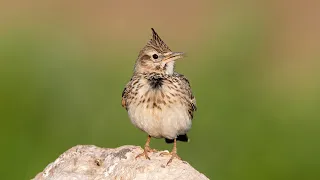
point(183, 138)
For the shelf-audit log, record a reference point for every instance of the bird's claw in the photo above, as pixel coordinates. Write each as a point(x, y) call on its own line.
point(165, 153)
point(145, 152)
point(148, 149)
point(173, 155)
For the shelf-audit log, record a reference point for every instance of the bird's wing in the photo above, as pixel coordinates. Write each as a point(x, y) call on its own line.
point(125, 93)
point(123, 101)
point(192, 100)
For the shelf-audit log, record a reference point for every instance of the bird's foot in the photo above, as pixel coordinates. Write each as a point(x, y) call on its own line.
point(173, 155)
point(145, 152)
point(150, 149)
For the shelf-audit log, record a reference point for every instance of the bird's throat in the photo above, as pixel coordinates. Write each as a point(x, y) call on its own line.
point(169, 68)
point(155, 82)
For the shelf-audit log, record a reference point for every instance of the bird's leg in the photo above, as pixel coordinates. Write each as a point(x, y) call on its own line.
point(147, 149)
point(173, 153)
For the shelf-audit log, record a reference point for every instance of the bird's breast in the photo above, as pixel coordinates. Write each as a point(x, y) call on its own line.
point(159, 108)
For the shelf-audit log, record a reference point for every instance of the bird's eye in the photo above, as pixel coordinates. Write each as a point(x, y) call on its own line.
point(155, 56)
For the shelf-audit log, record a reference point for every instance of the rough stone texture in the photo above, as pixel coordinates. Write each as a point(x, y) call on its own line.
point(91, 162)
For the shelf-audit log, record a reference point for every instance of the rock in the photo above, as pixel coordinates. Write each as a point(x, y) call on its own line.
point(90, 162)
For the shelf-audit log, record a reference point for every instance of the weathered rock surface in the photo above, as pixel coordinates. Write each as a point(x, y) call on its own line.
point(90, 162)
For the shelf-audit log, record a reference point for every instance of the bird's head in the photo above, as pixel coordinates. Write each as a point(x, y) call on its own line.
point(156, 57)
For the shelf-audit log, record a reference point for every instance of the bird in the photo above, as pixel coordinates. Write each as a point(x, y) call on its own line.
point(158, 100)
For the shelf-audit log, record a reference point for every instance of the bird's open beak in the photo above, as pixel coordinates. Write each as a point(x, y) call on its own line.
point(172, 56)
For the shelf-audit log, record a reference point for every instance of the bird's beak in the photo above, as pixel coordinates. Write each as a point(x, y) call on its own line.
point(172, 56)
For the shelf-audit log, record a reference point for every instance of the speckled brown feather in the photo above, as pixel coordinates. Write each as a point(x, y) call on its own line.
point(158, 100)
point(179, 84)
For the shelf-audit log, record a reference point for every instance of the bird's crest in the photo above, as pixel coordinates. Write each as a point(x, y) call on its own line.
point(157, 43)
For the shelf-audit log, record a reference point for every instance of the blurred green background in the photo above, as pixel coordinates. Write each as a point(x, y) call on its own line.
point(254, 69)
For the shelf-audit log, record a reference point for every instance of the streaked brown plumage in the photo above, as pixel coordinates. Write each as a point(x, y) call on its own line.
point(159, 101)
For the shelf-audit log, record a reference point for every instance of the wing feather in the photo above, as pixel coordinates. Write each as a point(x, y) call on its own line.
point(192, 100)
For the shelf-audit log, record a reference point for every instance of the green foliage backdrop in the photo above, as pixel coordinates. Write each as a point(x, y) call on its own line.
point(257, 118)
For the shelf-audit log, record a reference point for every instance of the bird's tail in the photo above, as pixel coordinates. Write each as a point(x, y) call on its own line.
point(183, 138)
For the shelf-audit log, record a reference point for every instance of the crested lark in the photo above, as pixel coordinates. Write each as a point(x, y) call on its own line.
point(159, 101)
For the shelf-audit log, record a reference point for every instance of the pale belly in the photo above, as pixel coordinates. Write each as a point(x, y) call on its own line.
point(159, 112)
point(164, 123)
